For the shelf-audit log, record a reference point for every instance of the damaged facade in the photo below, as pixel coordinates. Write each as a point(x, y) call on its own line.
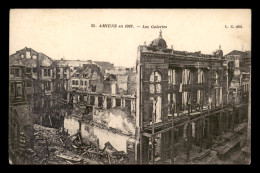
point(20, 115)
point(179, 95)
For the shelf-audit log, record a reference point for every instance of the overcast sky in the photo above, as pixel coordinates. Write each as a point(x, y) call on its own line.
point(68, 33)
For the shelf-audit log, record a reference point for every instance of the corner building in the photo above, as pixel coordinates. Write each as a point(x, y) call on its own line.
point(171, 84)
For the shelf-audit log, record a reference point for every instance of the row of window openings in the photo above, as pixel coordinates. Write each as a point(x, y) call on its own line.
point(155, 77)
point(157, 102)
point(29, 70)
point(109, 102)
point(76, 82)
point(186, 76)
point(47, 72)
point(16, 72)
point(47, 86)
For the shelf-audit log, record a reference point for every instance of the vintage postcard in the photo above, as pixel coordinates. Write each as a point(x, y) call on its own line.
point(129, 86)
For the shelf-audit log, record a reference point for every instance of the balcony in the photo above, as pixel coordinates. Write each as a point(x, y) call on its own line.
point(173, 87)
point(186, 87)
point(199, 86)
point(48, 92)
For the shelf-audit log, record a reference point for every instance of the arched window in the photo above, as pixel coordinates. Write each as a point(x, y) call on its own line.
point(200, 81)
point(216, 77)
point(186, 79)
point(155, 88)
point(200, 76)
point(155, 83)
point(171, 76)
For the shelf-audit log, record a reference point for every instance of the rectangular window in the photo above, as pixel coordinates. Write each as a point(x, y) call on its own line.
point(28, 54)
point(12, 89)
point(28, 97)
point(128, 104)
point(28, 83)
point(118, 102)
point(77, 82)
point(19, 90)
point(12, 71)
point(17, 73)
point(45, 72)
point(49, 72)
point(48, 86)
point(28, 70)
point(86, 83)
point(109, 104)
point(73, 82)
point(34, 70)
point(81, 82)
point(58, 70)
point(92, 100)
point(100, 101)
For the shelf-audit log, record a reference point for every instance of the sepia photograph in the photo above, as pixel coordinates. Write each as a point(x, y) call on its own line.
point(129, 87)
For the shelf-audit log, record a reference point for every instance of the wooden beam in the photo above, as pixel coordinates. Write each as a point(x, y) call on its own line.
point(220, 123)
point(147, 135)
point(152, 152)
point(172, 141)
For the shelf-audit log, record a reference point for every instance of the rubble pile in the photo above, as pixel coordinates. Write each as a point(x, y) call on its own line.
point(54, 147)
point(48, 143)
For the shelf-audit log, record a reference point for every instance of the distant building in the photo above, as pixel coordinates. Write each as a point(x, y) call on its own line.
point(238, 74)
point(87, 78)
point(242, 57)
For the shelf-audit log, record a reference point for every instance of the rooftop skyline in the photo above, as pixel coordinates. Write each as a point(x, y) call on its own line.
point(68, 33)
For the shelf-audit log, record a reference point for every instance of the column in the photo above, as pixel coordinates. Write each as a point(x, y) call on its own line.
point(201, 137)
point(51, 102)
point(113, 100)
point(68, 97)
point(132, 105)
point(220, 124)
point(105, 102)
point(88, 99)
point(42, 102)
point(96, 101)
point(121, 102)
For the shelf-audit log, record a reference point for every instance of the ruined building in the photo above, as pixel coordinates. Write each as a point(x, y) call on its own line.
point(178, 93)
point(20, 117)
point(39, 77)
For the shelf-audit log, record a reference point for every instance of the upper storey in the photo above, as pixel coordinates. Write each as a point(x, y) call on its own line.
point(158, 49)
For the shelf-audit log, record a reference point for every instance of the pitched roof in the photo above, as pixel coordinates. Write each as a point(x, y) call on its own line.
point(30, 63)
point(104, 65)
point(237, 52)
point(44, 60)
point(14, 61)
